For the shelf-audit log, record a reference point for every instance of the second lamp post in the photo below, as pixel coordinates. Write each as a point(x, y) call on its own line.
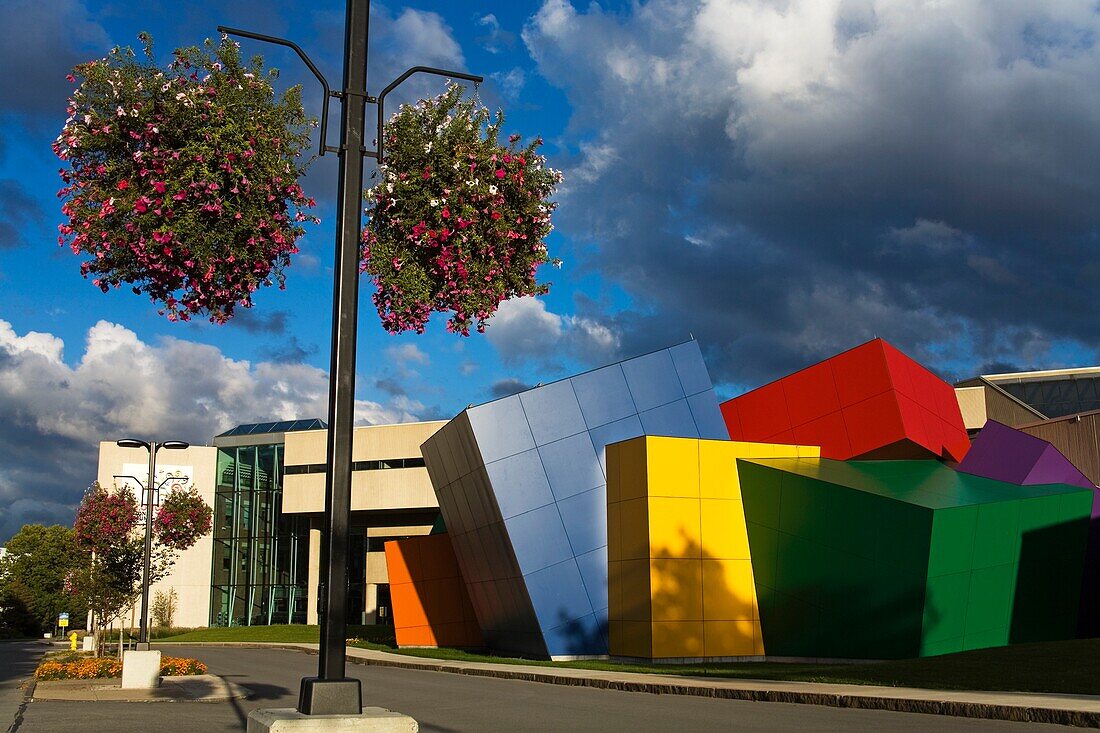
point(152, 447)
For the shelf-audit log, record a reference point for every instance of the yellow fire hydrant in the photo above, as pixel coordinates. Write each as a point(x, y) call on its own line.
point(72, 641)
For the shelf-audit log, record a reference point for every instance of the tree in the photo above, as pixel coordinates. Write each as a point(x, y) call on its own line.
point(110, 545)
point(33, 573)
point(164, 607)
point(16, 620)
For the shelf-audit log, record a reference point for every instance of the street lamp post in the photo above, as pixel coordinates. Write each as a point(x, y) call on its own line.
point(331, 692)
point(152, 447)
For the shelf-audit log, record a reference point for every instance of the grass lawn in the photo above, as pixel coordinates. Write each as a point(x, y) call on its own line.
point(1063, 666)
point(285, 633)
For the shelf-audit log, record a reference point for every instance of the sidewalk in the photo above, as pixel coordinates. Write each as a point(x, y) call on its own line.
point(1075, 710)
point(194, 688)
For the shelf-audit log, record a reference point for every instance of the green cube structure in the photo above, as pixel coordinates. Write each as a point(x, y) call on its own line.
point(899, 559)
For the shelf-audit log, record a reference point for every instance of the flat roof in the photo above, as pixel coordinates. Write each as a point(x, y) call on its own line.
point(1045, 374)
point(928, 484)
point(281, 426)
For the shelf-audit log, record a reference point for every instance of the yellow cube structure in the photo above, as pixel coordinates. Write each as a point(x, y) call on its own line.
point(680, 578)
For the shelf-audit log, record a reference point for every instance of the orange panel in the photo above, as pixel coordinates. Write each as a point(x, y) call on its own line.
point(433, 607)
point(408, 608)
point(402, 561)
point(437, 557)
point(414, 636)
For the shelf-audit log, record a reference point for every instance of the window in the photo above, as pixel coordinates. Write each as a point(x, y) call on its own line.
point(359, 466)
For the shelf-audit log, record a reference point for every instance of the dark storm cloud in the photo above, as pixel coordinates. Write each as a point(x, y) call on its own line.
point(44, 41)
point(288, 350)
point(255, 321)
point(391, 387)
point(18, 212)
point(788, 181)
point(508, 387)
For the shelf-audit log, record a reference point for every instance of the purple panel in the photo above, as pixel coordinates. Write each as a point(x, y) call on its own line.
point(1002, 453)
point(1054, 468)
point(1006, 454)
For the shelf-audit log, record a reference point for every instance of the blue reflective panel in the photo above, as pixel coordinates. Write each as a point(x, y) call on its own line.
point(585, 518)
point(538, 539)
point(673, 419)
point(653, 380)
point(690, 367)
point(571, 466)
point(500, 429)
point(519, 483)
point(603, 395)
point(593, 567)
point(708, 417)
point(585, 636)
point(558, 594)
point(553, 412)
point(614, 432)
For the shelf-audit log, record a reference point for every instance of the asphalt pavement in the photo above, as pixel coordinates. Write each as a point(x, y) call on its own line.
point(17, 662)
point(445, 702)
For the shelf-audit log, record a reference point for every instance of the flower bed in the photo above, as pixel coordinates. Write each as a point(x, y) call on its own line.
point(95, 668)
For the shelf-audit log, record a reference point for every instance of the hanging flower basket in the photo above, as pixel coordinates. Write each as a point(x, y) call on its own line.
point(182, 183)
point(182, 519)
point(457, 221)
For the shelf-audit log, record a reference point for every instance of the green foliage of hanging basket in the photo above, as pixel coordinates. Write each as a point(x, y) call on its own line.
point(458, 221)
point(182, 183)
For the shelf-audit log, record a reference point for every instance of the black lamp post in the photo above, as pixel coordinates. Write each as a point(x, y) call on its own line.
point(152, 447)
point(331, 692)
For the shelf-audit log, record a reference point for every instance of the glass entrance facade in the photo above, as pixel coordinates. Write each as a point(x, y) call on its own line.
point(261, 556)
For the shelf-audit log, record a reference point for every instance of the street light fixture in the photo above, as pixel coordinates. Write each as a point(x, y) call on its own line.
point(152, 447)
point(331, 692)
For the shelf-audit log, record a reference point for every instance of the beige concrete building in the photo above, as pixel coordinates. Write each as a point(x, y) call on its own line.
point(266, 485)
point(391, 497)
point(194, 466)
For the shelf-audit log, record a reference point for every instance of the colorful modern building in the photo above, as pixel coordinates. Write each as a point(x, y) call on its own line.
point(522, 486)
point(837, 512)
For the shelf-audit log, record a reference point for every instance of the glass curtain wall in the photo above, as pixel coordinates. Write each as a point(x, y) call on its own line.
point(261, 557)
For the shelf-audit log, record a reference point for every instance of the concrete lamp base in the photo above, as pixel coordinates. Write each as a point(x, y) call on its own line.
point(289, 720)
point(140, 670)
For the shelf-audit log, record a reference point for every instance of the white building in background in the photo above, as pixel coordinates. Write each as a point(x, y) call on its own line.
point(193, 466)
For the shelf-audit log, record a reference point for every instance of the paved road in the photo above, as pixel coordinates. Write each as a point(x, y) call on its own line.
point(445, 702)
point(17, 662)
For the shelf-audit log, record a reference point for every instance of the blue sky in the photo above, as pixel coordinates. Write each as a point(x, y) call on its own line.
point(783, 180)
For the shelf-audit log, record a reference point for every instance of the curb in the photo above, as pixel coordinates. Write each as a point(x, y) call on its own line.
point(954, 708)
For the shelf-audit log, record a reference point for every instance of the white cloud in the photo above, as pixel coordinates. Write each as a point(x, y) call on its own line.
point(56, 414)
point(728, 157)
point(523, 328)
point(511, 82)
point(406, 354)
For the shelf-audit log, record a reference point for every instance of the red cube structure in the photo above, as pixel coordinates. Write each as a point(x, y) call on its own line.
point(870, 402)
point(431, 607)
